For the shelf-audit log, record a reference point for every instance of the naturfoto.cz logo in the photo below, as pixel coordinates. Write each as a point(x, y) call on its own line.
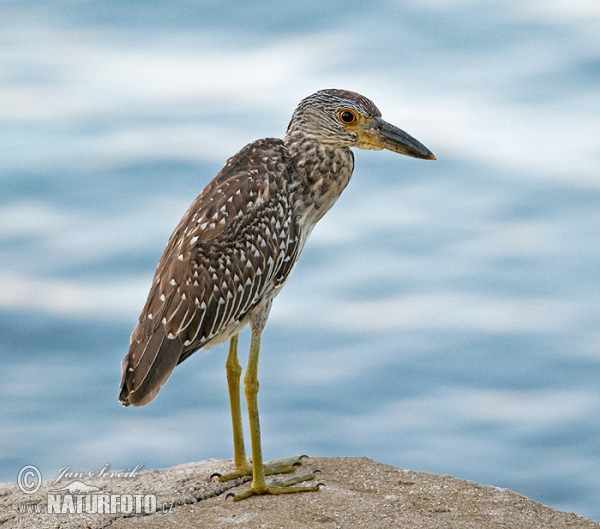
point(78, 497)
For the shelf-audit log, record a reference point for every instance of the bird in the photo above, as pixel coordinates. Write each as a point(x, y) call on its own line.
point(235, 248)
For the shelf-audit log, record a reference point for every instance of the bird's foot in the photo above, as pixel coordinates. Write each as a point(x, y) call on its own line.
point(277, 486)
point(277, 466)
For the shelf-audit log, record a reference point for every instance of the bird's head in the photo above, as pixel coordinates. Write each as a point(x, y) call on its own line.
point(340, 118)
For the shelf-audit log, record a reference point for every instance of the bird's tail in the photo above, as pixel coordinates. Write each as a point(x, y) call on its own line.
point(147, 367)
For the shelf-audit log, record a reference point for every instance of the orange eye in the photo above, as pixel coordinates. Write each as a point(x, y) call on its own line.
point(347, 116)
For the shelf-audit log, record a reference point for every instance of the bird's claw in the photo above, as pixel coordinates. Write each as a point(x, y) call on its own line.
point(288, 486)
point(277, 466)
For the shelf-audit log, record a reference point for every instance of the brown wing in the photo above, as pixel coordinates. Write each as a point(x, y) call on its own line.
point(236, 243)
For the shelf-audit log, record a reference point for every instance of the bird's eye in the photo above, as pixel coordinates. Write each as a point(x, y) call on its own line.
point(347, 116)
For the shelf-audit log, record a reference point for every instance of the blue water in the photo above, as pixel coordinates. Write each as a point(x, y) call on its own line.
point(444, 316)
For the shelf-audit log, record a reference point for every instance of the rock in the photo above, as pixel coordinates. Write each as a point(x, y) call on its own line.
point(358, 492)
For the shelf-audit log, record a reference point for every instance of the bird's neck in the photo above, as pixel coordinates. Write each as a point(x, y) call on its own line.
point(320, 173)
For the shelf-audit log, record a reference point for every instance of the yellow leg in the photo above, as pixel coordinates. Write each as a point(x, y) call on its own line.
point(251, 386)
point(234, 372)
point(259, 484)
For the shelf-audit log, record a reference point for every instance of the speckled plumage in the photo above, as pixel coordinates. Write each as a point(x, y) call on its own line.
point(241, 237)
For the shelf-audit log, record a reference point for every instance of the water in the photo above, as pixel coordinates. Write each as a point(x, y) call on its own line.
point(444, 315)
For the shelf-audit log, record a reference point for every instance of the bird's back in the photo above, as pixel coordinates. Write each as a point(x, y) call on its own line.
point(233, 248)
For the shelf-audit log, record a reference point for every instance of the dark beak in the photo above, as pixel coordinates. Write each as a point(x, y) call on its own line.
point(386, 136)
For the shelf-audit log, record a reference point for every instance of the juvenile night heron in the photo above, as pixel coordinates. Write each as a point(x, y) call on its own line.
point(235, 248)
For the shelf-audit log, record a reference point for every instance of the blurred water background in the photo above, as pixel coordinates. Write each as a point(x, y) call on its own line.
point(444, 316)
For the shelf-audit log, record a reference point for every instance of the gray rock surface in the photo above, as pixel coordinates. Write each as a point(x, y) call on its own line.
point(358, 492)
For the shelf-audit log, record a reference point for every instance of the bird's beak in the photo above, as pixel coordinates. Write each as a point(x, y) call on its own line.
point(382, 135)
